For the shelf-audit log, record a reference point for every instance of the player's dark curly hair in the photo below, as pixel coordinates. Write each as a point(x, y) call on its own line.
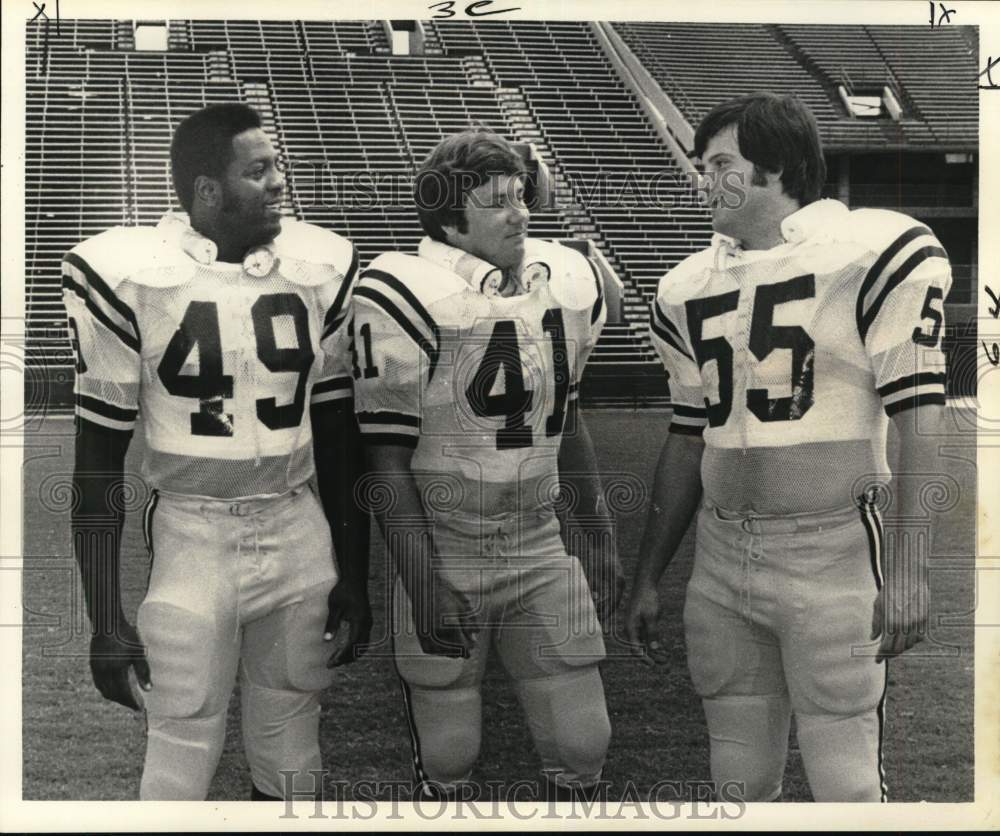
point(776, 133)
point(459, 164)
point(203, 144)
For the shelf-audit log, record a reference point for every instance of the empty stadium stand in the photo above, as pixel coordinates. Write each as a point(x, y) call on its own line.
point(701, 64)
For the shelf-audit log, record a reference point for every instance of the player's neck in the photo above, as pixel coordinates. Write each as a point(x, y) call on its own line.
point(764, 240)
point(228, 250)
point(767, 233)
point(230, 253)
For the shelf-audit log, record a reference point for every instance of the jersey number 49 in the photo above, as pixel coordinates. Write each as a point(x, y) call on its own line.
point(199, 328)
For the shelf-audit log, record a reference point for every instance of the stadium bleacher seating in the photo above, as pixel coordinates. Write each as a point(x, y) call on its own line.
point(700, 64)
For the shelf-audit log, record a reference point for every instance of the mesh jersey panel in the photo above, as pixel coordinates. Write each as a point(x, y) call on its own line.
point(792, 358)
point(477, 385)
point(221, 364)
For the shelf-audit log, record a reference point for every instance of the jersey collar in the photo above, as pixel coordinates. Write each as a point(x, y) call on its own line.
point(176, 227)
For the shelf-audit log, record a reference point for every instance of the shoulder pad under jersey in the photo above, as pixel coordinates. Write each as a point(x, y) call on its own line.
point(877, 229)
point(573, 279)
point(426, 281)
point(685, 279)
point(312, 255)
point(138, 254)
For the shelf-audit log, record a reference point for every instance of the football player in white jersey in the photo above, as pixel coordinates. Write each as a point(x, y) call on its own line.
point(791, 343)
point(224, 328)
point(469, 355)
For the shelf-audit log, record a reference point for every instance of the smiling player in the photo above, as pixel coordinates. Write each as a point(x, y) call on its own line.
point(469, 357)
point(225, 328)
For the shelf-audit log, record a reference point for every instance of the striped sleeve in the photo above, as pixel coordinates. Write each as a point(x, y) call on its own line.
point(690, 415)
point(900, 319)
point(335, 377)
point(397, 343)
point(396, 301)
point(600, 309)
point(107, 344)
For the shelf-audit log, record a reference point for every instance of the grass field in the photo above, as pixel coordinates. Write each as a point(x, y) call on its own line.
point(77, 746)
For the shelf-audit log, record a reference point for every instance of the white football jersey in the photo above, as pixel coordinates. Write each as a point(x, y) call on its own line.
point(790, 359)
point(222, 360)
point(476, 383)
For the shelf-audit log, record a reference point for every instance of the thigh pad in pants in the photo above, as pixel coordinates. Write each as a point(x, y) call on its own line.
point(548, 625)
point(426, 670)
point(191, 664)
point(726, 654)
point(827, 651)
point(285, 650)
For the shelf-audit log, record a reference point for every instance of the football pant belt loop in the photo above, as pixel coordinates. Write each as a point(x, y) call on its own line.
point(761, 524)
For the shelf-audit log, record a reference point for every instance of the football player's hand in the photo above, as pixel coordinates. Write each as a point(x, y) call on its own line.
point(641, 619)
point(111, 659)
point(348, 605)
point(899, 616)
point(444, 622)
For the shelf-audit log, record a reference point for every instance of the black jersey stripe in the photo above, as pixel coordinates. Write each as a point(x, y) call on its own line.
point(332, 320)
point(96, 284)
point(400, 418)
point(100, 286)
point(912, 381)
point(389, 308)
point(105, 409)
point(406, 294)
point(129, 338)
point(331, 385)
point(68, 284)
point(895, 280)
point(887, 255)
point(332, 326)
point(666, 330)
point(925, 399)
point(665, 321)
point(878, 268)
point(595, 312)
point(690, 411)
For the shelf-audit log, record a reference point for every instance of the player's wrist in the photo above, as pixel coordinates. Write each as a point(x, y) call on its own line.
point(104, 627)
point(355, 587)
point(644, 579)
